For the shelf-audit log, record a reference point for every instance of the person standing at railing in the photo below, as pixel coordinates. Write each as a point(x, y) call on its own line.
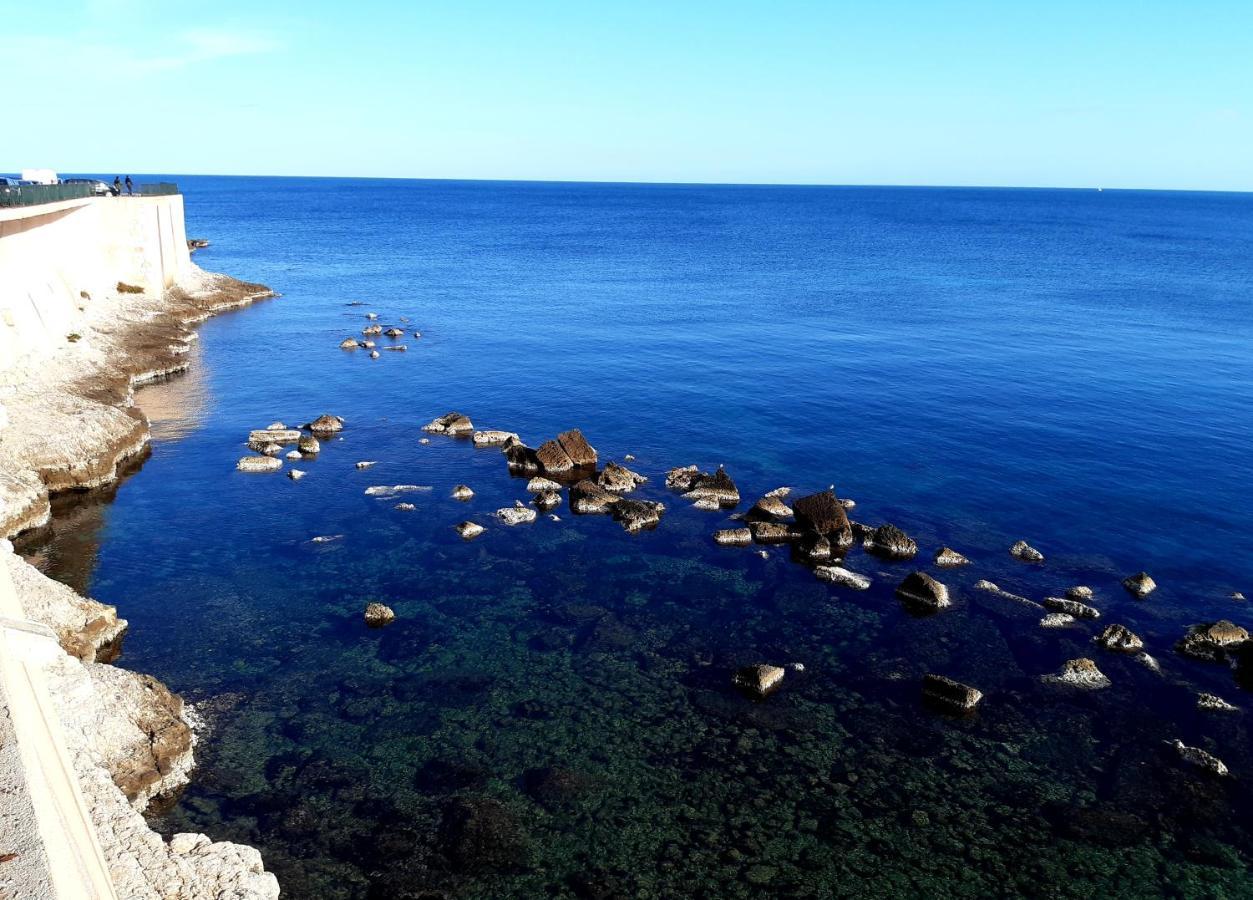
point(117, 185)
point(130, 188)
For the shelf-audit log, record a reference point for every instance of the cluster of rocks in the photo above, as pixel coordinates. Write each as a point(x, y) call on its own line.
point(374, 330)
point(268, 443)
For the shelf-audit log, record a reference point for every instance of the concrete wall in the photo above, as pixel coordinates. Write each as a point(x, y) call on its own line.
point(54, 253)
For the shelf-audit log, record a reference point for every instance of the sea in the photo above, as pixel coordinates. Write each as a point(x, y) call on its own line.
point(553, 711)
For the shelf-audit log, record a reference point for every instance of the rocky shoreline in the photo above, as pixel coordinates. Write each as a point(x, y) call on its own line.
point(71, 424)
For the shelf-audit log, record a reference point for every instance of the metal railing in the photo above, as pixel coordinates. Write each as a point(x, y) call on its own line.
point(34, 194)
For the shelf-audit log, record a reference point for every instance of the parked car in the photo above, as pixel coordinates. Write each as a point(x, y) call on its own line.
point(99, 188)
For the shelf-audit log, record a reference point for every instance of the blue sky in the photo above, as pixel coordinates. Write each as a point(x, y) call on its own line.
point(1116, 94)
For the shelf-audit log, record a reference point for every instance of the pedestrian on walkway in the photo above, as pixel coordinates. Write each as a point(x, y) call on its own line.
point(130, 187)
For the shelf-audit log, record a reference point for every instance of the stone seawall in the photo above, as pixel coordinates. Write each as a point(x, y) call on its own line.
point(96, 296)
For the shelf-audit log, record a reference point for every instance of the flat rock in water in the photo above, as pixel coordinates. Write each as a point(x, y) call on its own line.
point(388, 490)
point(1071, 607)
point(494, 438)
point(619, 479)
point(772, 532)
point(295, 454)
point(1139, 585)
point(520, 458)
point(1212, 641)
point(953, 694)
point(470, 530)
point(348, 344)
point(637, 515)
point(518, 514)
point(1213, 703)
point(552, 458)
point(295, 474)
point(733, 537)
point(682, 478)
point(889, 541)
point(452, 423)
point(308, 445)
point(843, 577)
point(377, 615)
point(259, 464)
point(1082, 593)
point(546, 500)
point(404, 507)
point(948, 558)
point(271, 450)
point(539, 485)
point(1057, 620)
point(462, 492)
point(1120, 639)
point(718, 487)
point(1025, 552)
point(366, 463)
point(1079, 673)
point(588, 497)
point(759, 679)
point(1202, 759)
point(581, 453)
point(265, 436)
point(922, 591)
point(770, 507)
point(326, 424)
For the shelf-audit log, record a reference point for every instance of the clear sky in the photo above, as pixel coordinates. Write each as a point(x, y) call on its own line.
point(1107, 93)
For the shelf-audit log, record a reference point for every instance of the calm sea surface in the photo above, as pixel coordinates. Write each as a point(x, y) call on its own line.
point(552, 713)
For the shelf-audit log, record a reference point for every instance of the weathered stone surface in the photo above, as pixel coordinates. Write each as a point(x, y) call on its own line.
point(772, 532)
point(271, 450)
point(588, 497)
point(405, 507)
point(1201, 759)
point(462, 492)
point(1212, 703)
point(295, 455)
point(581, 453)
point(619, 479)
point(377, 615)
point(682, 478)
point(1057, 620)
point(391, 490)
point(1139, 585)
point(733, 537)
point(470, 530)
point(326, 424)
point(890, 542)
point(494, 438)
point(953, 694)
point(760, 679)
point(553, 458)
point(1071, 607)
point(823, 514)
point(1081, 593)
point(1213, 641)
point(718, 487)
point(637, 515)
point(518, 514)
point(815, 548)
point(394, 333)
point(453, 423)
point(1079, 673)
point(520, 458)
point(263, 437)
point(921, 591)
point(1237, 596)
point(295, 474)
point(984, 585)
point(948, 558)
point(372, 330)
point(259, 464)
point(1119, 638)
point(348, 344)
point(1025, 552)
point(539, 485)
point(374, 354)
point(546, 500)
point(366, 463)
point(86, 629)
point(843, 577)
point(770, 508)
point(309, 445)
point(780, 492)
point(707, 504)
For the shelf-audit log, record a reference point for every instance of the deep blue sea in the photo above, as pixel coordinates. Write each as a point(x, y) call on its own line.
point(552, 712)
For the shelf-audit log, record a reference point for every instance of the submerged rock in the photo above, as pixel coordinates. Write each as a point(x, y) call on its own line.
point(462, 492)
point(309, 445)
point(1195, 756)
point(619, 479)
point(1212, 642)
point(396, 348)
point(470, 530)
point(718, 487)
point(1072, 607)
point(1079, 673)
point(1140, 585)
point(326, 424)
point(637, 515)
point(259, 464)
point(295, 474)
point(546, 500)
point(377, 615)
point(539, 485)
point(553, 458)
point(922, 591)
point(682, 478)
point(518, 514)
point(953, 694)
point(948, 558)
point(1213, 703)
point(494, 438)
point(480, 835)
point(581, 453)
point(587, 497)
point(366, 463)
point(760, 679)
point(733, 537)
point(453, 424)
point(843, 577)
point(1120, 639)
point(1025, 552)
point(890, 542)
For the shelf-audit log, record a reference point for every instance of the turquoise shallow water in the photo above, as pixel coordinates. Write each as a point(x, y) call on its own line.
point(552, 712)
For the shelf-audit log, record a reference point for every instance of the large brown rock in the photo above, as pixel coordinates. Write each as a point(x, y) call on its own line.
point(521, 459)
point(553, 458)
point(822, 513)
point(949, 693)
point(619, 479)
point(453, 423)
point(1212, 642)
point(588, 497)
point(637, 515)
point(890, 542)
point(581, 453)
point(718, 488)
point(920, 591)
